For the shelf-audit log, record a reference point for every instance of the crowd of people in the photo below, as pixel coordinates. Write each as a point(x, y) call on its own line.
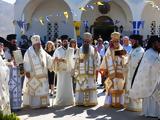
point(129, 73)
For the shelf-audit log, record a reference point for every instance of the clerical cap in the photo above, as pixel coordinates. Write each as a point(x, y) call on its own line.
point(11, 37)
point(5, 42)
point(136, 37)
point(154, 38)
point(151, 41)
point(2, 39)
point(1, 43)
point(64, 37)
point(35, 39)
point(87, 35)
point(116, 35)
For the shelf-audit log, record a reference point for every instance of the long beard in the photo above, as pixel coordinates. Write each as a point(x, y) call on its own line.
point(65, 46)
point(12, 48)
point(37, 50)
point(85, 49)
point(135, 46)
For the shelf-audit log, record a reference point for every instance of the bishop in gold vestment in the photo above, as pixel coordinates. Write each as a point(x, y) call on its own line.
point(36, 65)
point(113, 63)
point(87, 62)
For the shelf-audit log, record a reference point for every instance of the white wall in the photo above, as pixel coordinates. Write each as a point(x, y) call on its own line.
point(150, 14)
point(122, 10)
point(50, 7)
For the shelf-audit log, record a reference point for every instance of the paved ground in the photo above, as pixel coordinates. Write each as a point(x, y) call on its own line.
point(81, 113)
point(98, 112)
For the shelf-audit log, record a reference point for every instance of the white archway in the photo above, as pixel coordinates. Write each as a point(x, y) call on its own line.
point(35, 9)
point(120, 10)
point(150, 14)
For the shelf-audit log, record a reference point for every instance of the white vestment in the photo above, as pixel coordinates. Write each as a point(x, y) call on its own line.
point(114, 84)
point(4, 88)
point(134, 58)
point(35, 89)
point(146, 81)
point(86, 90)
point(64, 91)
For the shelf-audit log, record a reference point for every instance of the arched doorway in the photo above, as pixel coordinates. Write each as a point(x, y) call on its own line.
point(119, 12)
point(103, 26)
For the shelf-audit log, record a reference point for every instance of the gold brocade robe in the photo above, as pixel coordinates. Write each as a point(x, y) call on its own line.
point(36, 88)
point(114, 83)
point(86, 93)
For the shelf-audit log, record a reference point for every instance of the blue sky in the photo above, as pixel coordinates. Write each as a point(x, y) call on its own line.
point(10, 1)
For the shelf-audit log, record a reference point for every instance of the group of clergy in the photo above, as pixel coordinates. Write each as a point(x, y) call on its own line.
point(132, 78)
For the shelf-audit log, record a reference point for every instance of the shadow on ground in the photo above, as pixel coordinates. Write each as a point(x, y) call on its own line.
point(58, 111)
point(103, 113)
point(100, 113)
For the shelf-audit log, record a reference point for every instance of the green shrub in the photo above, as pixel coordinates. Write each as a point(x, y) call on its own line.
point(8, 117)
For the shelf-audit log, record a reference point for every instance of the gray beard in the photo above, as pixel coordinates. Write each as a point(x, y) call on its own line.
point(37, 51)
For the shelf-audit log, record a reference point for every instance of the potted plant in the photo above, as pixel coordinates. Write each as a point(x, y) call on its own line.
point(11, 116)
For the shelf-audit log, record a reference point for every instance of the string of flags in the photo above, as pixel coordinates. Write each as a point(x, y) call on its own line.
point(92, 6)
point(41, 20)
point(25, 26)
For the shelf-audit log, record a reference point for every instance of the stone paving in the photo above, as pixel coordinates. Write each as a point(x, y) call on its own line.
point(98, 112)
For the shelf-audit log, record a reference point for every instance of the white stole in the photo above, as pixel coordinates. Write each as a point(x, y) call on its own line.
point(38, 62)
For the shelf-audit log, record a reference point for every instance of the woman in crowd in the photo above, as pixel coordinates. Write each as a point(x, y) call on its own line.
point(73, 44)
point(50, 48)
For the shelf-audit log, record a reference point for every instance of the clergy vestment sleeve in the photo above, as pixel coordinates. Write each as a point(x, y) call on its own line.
point(97, 60)
point(145, 80)
point(56, 54)
point(27, 62)
point(72, 58)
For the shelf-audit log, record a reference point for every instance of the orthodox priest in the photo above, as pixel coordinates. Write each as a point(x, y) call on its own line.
point(64, 62)
point(147, 80)
point(36, 65)
point(113, 63)
point(4, 88)
point(87, 63)
point(134, 59)
point(14, 59)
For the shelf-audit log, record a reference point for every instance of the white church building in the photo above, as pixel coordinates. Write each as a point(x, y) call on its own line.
point(52, 18)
